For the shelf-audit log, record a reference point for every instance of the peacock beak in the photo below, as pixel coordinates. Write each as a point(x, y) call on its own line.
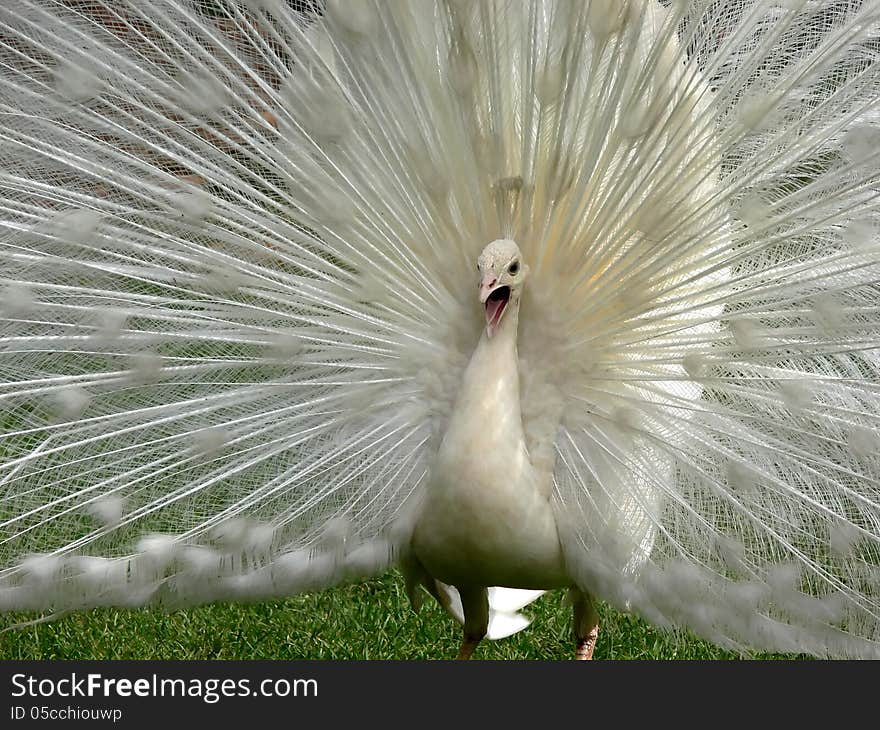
point(495, 298)
point(487, 284)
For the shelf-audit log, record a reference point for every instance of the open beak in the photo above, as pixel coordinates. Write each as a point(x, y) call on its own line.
point(495, 299)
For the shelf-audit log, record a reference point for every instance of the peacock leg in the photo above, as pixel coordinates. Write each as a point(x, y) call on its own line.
point(586, 624)
point(475, 604)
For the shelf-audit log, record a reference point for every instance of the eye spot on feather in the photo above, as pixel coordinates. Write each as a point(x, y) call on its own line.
point(627, 417)
point(109, 325)
point(285, 346)
point(742, 479)
point(200, 93)
point(863, 442)
point(630, 424)
point(16, 299)
point(367, 559)
point(191, 203)
point(861, 236)
point(248, 584)
point(71, 402)
point(200, 562)
point(107, 510)
point(797, 394)
point(154, 553)
point(754, 210)
point(259, 538)
point(696, 365)
point(146, 367)
point(755, 110)
point(337, 531)
point(209, 443)
point(316, 105)
point(40, 569)
point(291, 570)
point(828, 313)
point(861, 142)
point(731, 552)
point(748, 333)
point(843, 539)
point(77, 226)
point(76, 82)
point(224, 280)
point(784, 579)
point(230, 534)
point(97, 576)
point(746, 597)
point(335, 210)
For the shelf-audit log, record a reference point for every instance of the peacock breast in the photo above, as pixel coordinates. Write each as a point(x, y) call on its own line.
point(484, 520)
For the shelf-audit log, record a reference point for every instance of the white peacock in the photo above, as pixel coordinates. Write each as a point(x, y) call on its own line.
point(250, 346)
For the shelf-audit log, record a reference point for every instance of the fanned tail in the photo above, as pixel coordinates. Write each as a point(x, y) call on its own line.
point(214, 301)
point(237, 265)
point(716, 459)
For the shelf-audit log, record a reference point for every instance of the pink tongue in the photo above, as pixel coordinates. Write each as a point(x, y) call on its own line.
point(493, 310)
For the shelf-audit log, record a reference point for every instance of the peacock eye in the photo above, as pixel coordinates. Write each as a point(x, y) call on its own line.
point(513, 268)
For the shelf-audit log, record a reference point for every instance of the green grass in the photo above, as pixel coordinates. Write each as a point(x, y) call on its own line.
point(370, 620)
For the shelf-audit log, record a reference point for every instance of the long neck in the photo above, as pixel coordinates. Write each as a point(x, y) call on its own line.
point(489, 394)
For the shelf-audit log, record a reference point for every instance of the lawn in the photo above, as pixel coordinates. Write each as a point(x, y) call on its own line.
point(369, 620)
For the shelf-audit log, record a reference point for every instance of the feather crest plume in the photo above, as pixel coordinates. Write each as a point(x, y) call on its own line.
point(237, 246)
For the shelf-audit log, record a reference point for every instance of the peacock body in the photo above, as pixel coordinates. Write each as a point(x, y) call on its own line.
point(251, 345)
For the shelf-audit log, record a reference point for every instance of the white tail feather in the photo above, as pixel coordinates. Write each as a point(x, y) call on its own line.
point(511, 600)
point(504, 605)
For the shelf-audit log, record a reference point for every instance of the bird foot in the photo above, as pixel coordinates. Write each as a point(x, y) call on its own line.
point(585, 645)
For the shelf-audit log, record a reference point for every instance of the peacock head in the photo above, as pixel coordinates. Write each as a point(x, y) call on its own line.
point(502, 277)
